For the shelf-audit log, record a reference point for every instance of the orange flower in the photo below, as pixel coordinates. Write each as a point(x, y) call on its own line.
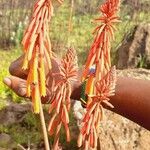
point(99, 54)
point(37, 49)
point(60, 103)
point(101, 84)
point(90, 123)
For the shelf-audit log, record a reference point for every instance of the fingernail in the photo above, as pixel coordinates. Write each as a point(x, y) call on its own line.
point(7, 81)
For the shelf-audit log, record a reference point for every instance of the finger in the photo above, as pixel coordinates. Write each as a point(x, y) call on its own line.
point(15, 68)
point(18, 85)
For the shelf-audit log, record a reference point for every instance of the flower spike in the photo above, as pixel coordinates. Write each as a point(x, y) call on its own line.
point(98, 76)
point(100, 49)
point(37, 49)
point(60, 103)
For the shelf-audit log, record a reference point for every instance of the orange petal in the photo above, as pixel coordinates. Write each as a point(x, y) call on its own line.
point(51, 122)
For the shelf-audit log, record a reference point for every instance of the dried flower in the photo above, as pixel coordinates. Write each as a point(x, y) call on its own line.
point(100, 83)
point(37, 49)
point(60, 103)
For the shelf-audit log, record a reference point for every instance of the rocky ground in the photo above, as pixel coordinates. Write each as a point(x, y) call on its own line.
point(117, 133)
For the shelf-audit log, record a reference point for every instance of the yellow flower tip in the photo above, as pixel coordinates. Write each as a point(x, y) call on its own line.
point(43, 93)
point(83, 79)
point(43, 90)
point(25, 66)
point(28, 89)
point(42, 81)
point(36, 99)
point(36, 111)
point(36, 108)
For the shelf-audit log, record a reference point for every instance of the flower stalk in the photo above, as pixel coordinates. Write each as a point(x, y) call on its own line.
point(37, 51)
point(60, 102)
point(98, 74)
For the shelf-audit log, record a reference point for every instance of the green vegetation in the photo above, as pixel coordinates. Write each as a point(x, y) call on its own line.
point(6, 58)
point(26, 131)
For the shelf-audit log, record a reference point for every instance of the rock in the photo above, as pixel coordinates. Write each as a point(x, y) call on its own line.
point(135, 49)
point(78, 112)
point(14, 113)
point(139, 73)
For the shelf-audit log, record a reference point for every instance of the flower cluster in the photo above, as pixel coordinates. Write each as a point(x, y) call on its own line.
point(100, 78)
point(37, 49)
point(99, 54)
point(60, 102)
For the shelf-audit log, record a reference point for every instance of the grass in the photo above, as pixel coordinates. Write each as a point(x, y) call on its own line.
point(81, 36)
point(6, 58)
point(29, 130)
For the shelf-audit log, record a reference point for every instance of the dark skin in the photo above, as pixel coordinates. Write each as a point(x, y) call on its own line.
point(132, 98)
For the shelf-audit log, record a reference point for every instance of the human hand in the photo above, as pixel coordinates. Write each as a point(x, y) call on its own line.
point(125, 101)
point(17, 82)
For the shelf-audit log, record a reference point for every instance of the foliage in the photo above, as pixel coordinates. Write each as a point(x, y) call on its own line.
point(6, 58)
point(12, 14)
point(15, 16)
point(27, 131)
point(86, 7)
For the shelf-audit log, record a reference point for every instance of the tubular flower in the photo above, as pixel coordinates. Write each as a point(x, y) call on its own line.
point(99, 78)
point(37, 49)
point(99, 54)
point(60, 102)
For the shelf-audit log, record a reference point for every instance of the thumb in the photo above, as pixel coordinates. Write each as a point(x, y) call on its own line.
point(15, 68)
point(19, 85)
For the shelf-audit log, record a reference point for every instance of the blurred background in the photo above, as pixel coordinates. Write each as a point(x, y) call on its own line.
point(72, 25)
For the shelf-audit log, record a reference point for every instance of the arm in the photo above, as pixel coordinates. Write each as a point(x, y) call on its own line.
point(132, 99)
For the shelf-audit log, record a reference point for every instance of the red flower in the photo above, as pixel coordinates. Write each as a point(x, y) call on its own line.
point(90, 124)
